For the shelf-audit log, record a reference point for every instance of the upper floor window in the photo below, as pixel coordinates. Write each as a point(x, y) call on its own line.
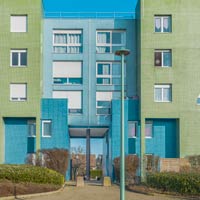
point(18, 92)
point(198, 100)
point(103, 101)
point(162, 93)
point(67, 41)
point(74, 100)
point(108, 73)
point(110, 41)
point(67, 72)
point(18, 23)
point(163, 23)
point(163, 58)
point(18, 58)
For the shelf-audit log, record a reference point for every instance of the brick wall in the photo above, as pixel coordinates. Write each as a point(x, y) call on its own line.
point(173, 164)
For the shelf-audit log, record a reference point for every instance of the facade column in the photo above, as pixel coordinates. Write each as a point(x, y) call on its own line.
point(88, 154)
point(2, 139)
point(38, 134)
point(142, 150)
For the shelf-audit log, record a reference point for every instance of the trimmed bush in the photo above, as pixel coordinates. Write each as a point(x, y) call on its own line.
point(30, 174)
point(96, 173)
point(183, 183)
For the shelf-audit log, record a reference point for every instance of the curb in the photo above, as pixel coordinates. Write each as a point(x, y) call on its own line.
point(32, 195)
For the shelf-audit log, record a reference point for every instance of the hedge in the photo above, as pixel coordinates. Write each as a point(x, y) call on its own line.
point(28, 173)
point(96, 173)
point(183, 183)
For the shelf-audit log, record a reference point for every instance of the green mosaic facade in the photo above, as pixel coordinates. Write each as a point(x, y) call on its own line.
point(183, 75)
point(31, 73)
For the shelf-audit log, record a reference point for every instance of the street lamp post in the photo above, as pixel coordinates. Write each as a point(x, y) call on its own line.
point(122, 52)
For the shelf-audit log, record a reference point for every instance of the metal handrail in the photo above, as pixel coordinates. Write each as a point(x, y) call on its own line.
point(96, 15)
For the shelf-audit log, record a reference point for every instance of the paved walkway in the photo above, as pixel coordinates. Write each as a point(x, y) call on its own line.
point(90, 192)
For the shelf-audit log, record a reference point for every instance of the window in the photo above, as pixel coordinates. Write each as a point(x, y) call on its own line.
point(46, 128)
point(18, 58)
point(109, 41)
point(108, 73)
point(163, 93)
point(198, 100)
point(18, 92)
point(74, 100)
point(67, 72)
point(132, 129)
point(18, 23)
point(163, 24)
point(67, 41)
point(148, 129)
point(31, 128)
point(103, 102)
point(163, 58)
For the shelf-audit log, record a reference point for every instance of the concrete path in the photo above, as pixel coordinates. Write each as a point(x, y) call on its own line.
point(90, 192)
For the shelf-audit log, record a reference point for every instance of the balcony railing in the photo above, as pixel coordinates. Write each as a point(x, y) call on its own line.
point(95, 15)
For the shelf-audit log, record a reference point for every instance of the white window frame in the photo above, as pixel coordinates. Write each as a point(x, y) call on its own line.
point(162, 51)
point(135, 123)
point(162, 87)
point(65, 94)
point(151, 123)
point(18, 98)
point(107, 98)
point(109, 76)
point(198, 98)
point(161, 17)
point(68, 44)
point(19, 51)
point(123, 44)
point(14, 28)
point(49, 122)
point(65, 75)
point(31, 122)
point(106, 76)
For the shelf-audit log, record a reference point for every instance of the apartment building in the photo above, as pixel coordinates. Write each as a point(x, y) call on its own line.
point(61, 79)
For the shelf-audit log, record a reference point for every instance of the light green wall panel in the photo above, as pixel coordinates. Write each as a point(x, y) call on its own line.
point(184, 75)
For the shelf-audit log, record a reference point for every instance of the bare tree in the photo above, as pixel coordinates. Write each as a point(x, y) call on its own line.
point(78, 161)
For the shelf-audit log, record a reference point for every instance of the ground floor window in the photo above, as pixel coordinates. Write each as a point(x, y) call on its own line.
point(46, 128)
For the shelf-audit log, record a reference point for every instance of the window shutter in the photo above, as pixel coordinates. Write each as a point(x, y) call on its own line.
point(67, 69)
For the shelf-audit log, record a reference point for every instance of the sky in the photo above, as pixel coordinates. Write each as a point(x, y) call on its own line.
point(89, 5)
point(96, 145)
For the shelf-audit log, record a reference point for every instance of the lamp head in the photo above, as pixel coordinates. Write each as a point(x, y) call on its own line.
point(122, 51)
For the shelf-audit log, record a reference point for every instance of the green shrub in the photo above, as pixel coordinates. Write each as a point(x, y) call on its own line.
point(28, 173)
point(96, 173)
point(183, 183)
